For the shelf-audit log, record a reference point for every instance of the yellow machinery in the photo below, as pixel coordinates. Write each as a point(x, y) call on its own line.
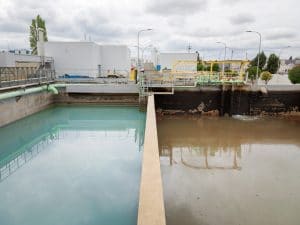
point(133, 74)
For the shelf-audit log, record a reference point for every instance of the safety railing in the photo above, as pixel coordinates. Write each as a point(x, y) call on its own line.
point(18, 76)
point(189, 79)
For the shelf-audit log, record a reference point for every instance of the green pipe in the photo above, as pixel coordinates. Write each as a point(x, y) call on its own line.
point(50, 88)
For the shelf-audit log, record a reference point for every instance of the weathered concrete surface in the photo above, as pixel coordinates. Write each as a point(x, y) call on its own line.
point(13, 109)
point(232, 100)
point(99, 98)
point(151, 203)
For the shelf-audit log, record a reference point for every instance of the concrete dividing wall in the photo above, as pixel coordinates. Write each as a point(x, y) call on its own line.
point(151, 203)
point(13, 109)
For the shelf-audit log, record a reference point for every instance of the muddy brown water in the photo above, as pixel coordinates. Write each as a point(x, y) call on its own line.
point(227, 171)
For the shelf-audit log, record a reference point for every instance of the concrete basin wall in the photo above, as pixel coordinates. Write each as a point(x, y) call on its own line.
point(16, 108)
point(13, 109)
point(232, 100)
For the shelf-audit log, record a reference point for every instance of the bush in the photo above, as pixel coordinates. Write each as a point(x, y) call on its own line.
point(252, 72)
point(266, 76)
point(273, 63)
point(294, 75)
point(200, 67)
point(216, 67)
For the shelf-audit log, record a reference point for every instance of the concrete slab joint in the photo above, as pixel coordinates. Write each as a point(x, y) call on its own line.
point(151, 203)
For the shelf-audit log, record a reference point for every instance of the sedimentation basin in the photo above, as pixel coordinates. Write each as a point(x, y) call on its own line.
point(261, 100)
point(223, 170)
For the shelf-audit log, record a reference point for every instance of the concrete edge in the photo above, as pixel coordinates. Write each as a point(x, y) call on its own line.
point(151, 202)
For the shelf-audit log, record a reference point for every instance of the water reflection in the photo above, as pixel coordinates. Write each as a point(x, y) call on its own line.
point(230, 171)
point(203, 157)
point(214, 143)
point(23, 155)
point(23, 140)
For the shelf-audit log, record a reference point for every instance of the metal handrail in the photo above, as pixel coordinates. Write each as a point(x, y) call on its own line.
point(11, 77)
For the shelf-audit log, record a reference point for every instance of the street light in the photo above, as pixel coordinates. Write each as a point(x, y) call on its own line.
point(280, 51)
point(252, 31)
point(225, 47)
point(138, 45)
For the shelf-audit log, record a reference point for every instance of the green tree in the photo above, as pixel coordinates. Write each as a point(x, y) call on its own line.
point(273, 63)
point(252, 72)
point(216, 67)
point(200, 66)
point(262, 60)
point(36, 24)
point(266, 76)
point(294, 75)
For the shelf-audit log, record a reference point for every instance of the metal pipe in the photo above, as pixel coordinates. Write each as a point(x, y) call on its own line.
point(50, 88)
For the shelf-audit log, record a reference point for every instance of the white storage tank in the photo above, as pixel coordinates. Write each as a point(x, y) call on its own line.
point(88, 58)
point(115, 59)
point(76, 58)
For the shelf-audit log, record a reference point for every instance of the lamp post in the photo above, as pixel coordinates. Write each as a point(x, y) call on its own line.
point(280, 51)
point(138, 46)
point(225, 47)
point(259, 49)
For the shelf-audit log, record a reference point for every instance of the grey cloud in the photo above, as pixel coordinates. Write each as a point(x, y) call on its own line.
point(175, 22)
point(231, 2)
point(278, 34)
point(58, 22)
point(176, 45)
point(176, 7)
point(207, 32)
point(11, 27)
point(242, 19)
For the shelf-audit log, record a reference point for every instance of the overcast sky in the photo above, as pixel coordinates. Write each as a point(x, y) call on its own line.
point(175, 23)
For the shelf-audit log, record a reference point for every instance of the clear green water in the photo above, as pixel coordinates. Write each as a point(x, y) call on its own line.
point(71, 165)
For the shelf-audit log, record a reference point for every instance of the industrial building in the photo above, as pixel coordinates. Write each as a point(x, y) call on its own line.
point(14, 59)
point(87, 58)
point(166, 61)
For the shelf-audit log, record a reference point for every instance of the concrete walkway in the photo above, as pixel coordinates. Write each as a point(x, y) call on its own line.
point(151, 203)
point(277, 79)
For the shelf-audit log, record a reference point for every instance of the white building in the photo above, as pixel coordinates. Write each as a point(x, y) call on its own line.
point(287, 64)
point(167, 60)
point(10, 59)
point(88, 58)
